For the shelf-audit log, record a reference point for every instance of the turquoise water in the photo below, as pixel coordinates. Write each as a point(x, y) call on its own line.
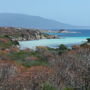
point(68, 39)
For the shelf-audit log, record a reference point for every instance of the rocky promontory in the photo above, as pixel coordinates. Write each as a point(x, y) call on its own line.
point(66, 31)
point(20, 34)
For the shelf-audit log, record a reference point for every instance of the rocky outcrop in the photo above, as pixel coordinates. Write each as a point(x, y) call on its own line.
point(24, 34)
point(66, 31)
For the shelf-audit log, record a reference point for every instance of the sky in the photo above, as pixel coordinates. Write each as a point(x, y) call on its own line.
point(74, 12)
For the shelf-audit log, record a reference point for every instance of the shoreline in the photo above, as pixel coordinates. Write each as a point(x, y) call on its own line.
point(52, 42)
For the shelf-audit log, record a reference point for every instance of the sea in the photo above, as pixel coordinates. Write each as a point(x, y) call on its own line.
point(69, 39)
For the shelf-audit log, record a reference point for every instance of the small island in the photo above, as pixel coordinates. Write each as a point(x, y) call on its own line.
point(66, 31)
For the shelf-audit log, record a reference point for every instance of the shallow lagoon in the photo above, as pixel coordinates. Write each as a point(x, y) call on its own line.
point(69, 41)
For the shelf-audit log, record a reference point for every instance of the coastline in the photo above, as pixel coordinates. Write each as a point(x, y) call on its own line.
point(52, 42)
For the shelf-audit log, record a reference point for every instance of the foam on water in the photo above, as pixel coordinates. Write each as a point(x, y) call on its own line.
point(52, 42)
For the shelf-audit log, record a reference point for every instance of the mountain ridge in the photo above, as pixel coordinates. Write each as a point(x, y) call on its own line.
point(30, 21)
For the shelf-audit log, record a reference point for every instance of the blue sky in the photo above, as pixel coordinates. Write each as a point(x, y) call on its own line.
point(74, 12)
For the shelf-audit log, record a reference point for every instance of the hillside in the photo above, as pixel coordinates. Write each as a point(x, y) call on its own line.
point(28, 21)
point(45, 68)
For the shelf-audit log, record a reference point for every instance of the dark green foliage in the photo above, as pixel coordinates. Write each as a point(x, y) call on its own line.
point(33, 63)
point(62, 49)
point(8, 42)
point(18, 55)
point(6, 36)
point(22, 55)
point(6, 45)
point(70, 88)
point(86, 43)
point(48, 86)
point(88, 39)
point(15, 42)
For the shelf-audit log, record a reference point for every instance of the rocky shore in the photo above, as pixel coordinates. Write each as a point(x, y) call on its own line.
point(20, 34)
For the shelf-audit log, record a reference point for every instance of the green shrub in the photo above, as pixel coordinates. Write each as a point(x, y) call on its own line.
point(23, 54)
point(63, 47)
point(61, 51)
point(48, 86)
point(15, 42)
point(68, 88)
point(6, 36)
point(34, 63)
point(6, 45)
point(20, 57)
point(88, 40)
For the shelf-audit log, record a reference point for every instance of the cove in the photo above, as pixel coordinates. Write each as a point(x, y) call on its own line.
point(53, 43)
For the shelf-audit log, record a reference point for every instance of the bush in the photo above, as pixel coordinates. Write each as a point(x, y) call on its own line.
point(6, 42)
point(6, 36)
point(88, 39)
point(6, 45)
point(21, 57)
point(70, 88)
point(34, 63)
point(62, 49)
point(15, 42)
point(48, 86)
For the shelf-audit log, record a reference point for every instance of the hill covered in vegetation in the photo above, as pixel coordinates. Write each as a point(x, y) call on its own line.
point(45, 68)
